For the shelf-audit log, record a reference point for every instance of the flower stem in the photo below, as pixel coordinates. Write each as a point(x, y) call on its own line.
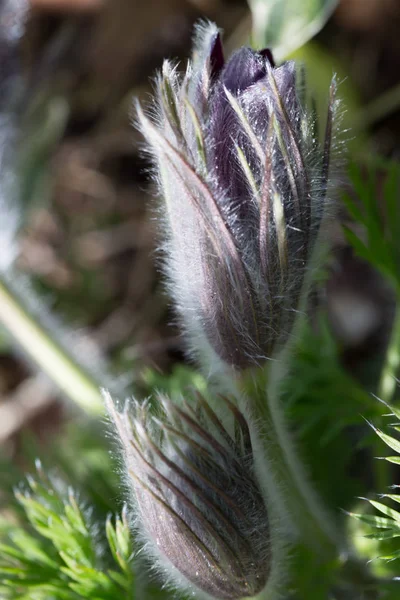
point(300, 504)
point(47, 353)
point(388, 380)
point(386, 389)
point(305, 509)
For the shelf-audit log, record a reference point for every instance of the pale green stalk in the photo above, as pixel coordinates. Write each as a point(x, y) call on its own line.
point(386, 390)
point(49, 355)
point(390, 369)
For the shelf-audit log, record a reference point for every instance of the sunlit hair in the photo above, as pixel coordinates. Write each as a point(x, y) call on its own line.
point(244, 180)
point(198, 504)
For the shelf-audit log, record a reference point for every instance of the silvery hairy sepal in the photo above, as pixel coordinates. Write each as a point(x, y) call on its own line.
point(244, 178)
point(199, 508)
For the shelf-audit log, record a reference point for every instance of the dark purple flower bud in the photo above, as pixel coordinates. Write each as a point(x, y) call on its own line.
point(198, 502)
point(244, 178)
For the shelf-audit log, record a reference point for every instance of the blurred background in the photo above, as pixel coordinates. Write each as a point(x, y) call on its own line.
point(88, 238)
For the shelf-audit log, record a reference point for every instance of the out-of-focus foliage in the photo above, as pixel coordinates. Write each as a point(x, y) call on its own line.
point(285, 25)
point(317, 388)
point(376, 208)
point(52, 545)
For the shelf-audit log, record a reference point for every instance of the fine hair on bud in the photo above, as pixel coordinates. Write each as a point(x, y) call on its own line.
point(199, 508)
point(243, 175)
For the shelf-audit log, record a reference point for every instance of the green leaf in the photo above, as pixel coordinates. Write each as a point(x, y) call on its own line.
point(360, 247)
point(380, 219)
point(394, 411)
point(393, 459)
point(285, 25)
point(389, 440)
point(394, 497)
point(54, 551)
point(383, 535)
point(386, 510)
point(373, 520)
point(391, 521)
point(353, 208)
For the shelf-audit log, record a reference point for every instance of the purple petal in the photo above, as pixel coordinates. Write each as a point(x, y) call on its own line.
point(217, 59)
point(224, 131)
point(266, 53)
point(244, 68)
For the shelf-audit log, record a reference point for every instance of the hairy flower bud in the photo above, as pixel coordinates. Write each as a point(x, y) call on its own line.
point(199, 504)
point(244, 179)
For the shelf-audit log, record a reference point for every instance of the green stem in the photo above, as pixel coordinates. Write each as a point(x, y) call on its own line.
point(49, 355)
point(315, 526)
point(386, 389)
point(388, 381)
point(307, 513)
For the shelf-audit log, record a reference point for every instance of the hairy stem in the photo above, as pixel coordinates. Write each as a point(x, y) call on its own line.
point(306, 511)
point(300, 504)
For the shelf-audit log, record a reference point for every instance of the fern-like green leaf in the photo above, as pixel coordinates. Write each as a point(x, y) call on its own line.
point(381, 220)
point(59, 552)
point(385, 529)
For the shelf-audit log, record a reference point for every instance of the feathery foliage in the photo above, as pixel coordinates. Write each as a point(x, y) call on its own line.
point(52, 545)
point(376, 208)
point(62, 554)
point(385, 528)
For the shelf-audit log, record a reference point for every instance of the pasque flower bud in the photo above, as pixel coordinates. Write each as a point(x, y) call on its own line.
point(199, 505)
point(244, 179)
